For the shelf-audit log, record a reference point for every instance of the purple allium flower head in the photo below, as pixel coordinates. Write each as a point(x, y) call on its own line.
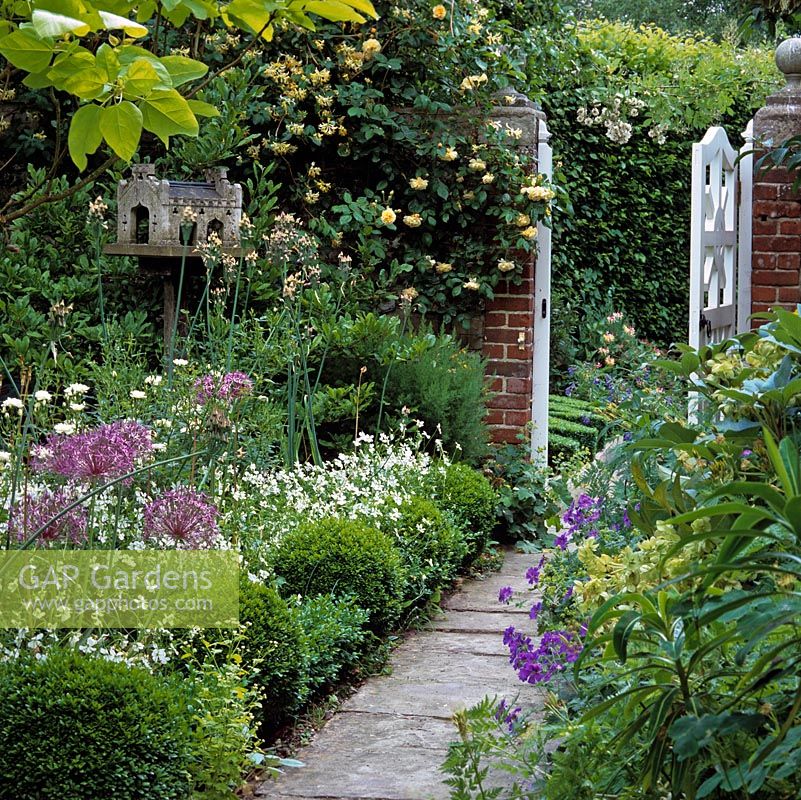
point(231, 386)
point(108, 451)
point(184, 517)
point(505, 594)
point(34, 512)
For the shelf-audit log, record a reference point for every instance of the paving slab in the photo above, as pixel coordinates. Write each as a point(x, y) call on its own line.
point(389, 739)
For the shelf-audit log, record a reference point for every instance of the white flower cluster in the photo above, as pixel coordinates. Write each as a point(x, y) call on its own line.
point(612, 117)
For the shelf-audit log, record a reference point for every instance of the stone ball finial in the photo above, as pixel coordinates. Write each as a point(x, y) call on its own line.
point(788, 60)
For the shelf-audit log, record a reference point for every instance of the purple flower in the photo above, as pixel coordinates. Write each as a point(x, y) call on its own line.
point(556, 650)
point(184, 517)
point(561, 540)
point(568, 594)
point(628, 436)
point(34, 512)
point(746, 453)
point(533, 573)
point(535, 610)
point(505, 594)
point(108, 451)
point(231, 386)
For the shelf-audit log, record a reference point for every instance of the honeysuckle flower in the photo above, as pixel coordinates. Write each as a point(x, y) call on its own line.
point(418, 184)
point(504, 265)
point(413, 220)
point(388, 216)
point(608, 337)
point(97, 208)
point(409, 294)
point(439, 12)
point(473, 82)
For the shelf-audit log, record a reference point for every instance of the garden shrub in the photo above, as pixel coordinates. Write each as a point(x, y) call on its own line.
point(83, 728)
point(345, 557)
point(445, 387)
point(573, 425)
point(224, 710)
point(432, 546)
point(273, 650)
point(335, 636)
point(469, 497)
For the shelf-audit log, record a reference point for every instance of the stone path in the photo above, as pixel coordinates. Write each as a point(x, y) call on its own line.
point(389, 739)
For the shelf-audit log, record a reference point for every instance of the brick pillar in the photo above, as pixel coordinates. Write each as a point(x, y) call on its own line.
point(509, 316)
point(776, 231)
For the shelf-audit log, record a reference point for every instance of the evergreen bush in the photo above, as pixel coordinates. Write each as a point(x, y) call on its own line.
point(80, 727)
point(346, 558)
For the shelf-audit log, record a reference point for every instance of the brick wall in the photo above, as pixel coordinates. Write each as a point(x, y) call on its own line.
point(776, 242)
point(508, 348)
point(776, 218)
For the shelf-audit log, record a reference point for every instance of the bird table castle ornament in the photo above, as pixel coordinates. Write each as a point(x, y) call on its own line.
point(152, 215)
point(163, 222)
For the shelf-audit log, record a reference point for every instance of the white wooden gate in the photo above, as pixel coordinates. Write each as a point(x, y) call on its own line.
point(541, 372)
point(720, 238)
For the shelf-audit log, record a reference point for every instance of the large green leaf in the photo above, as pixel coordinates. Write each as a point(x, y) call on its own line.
point(121, 126)
point(333, 10)
point(182, 69)
point(84, 136)
point(24, 50)
point(201, 109)
point(166, 114)
point(140, 79)
point(88, 84)
point(48, 24)
point(254, 15)
point(113, 22)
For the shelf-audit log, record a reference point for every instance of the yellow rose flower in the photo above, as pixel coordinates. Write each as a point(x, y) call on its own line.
point(443, 267)
point(413, 220)
point(370, 47)
point(504, 265)
point(388, 216)
point(418, 184)
point(439, 12)
point(529, 233)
